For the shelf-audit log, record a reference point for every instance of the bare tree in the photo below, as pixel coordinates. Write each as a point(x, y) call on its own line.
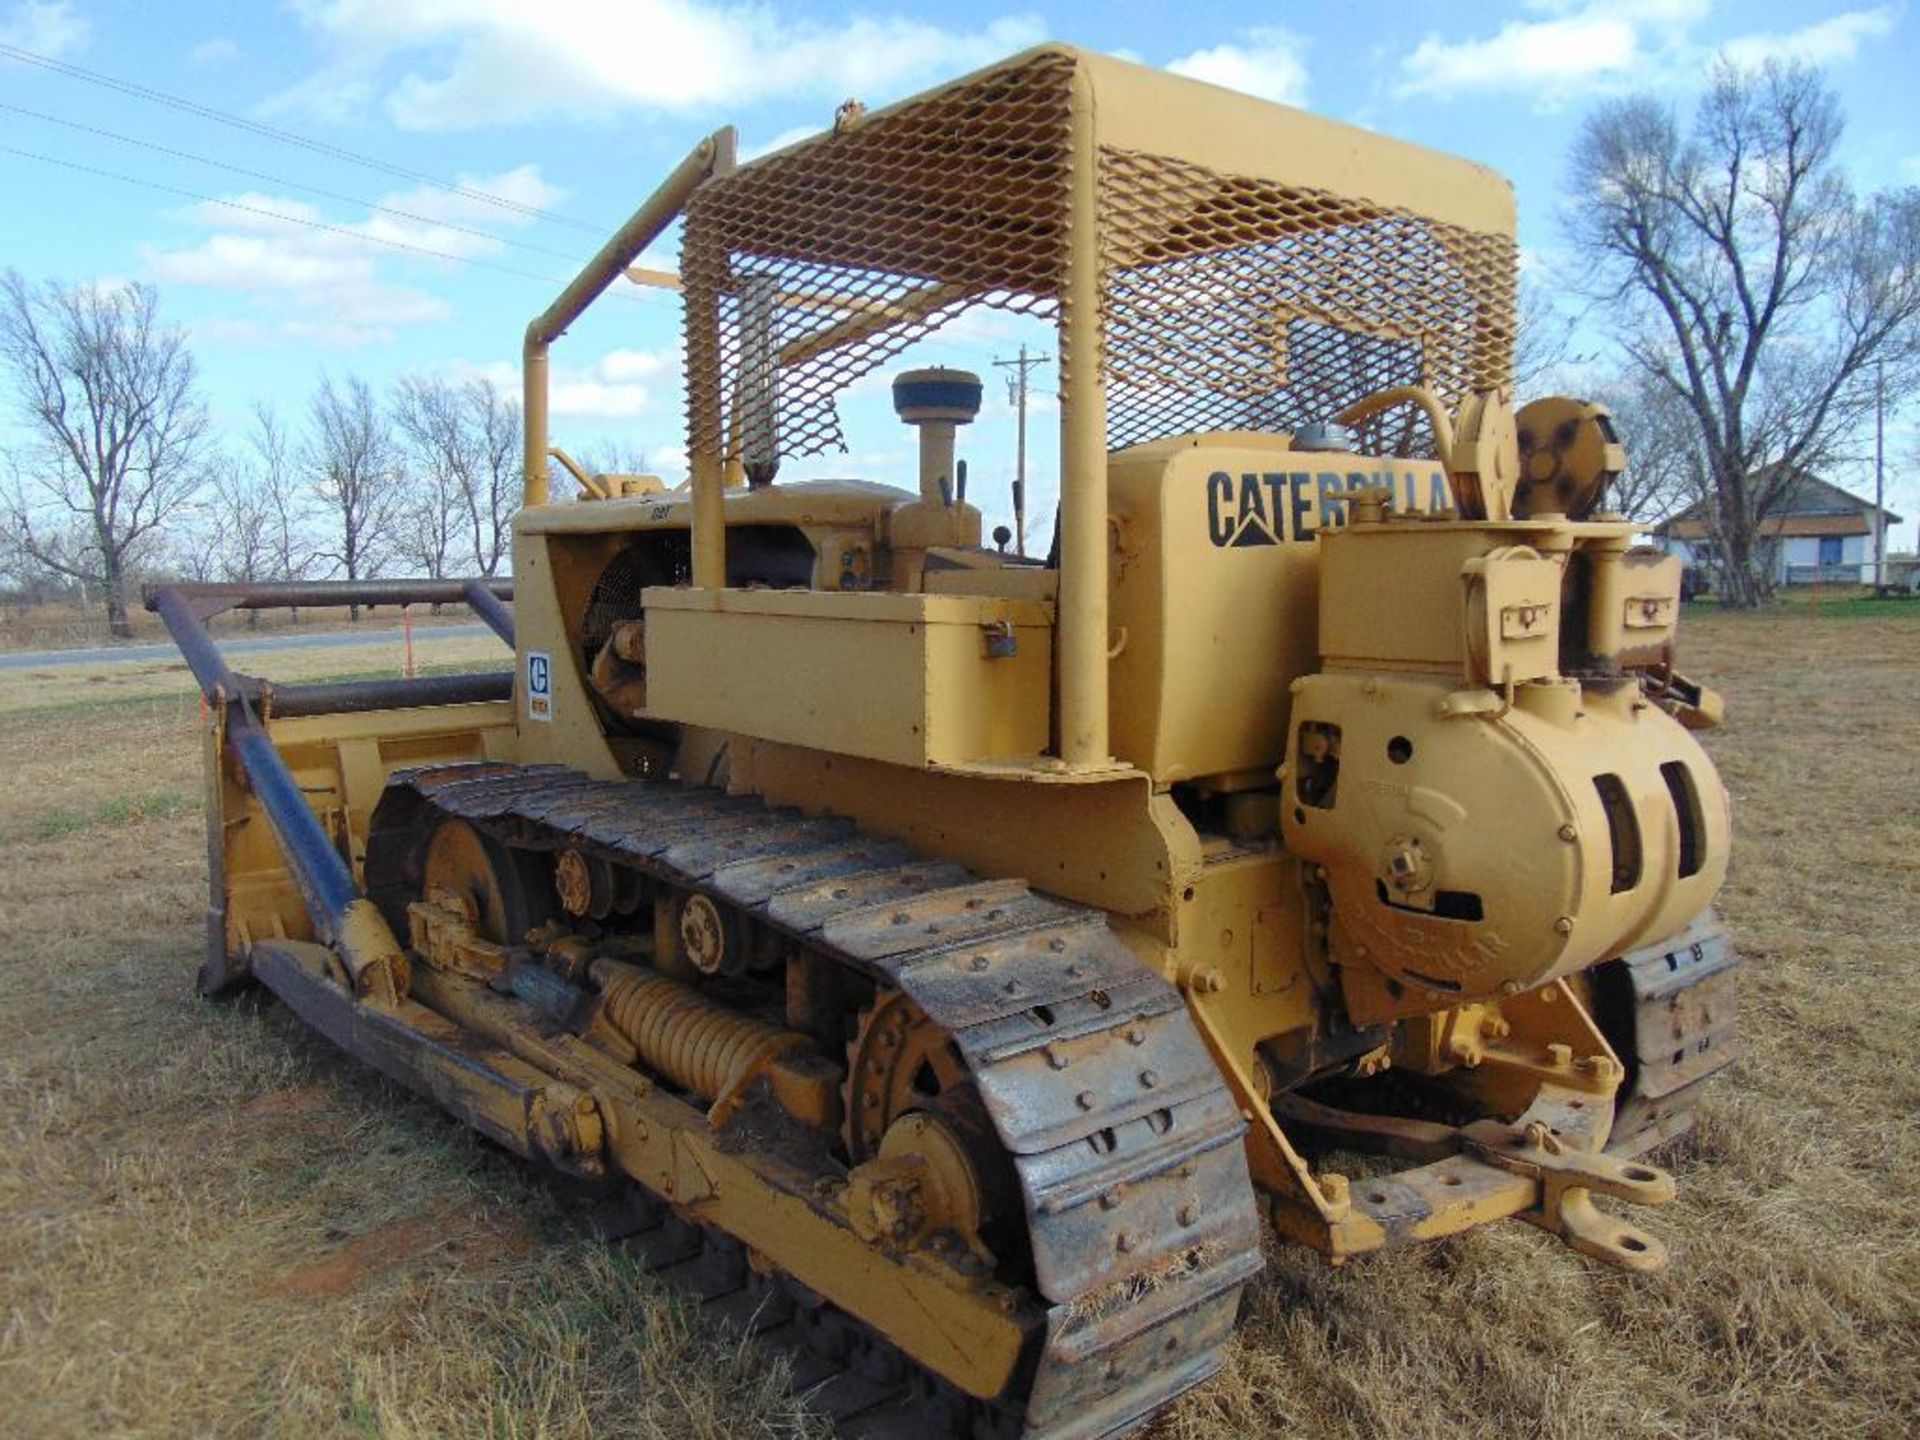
point(1545, 340)
point(285, 507)
point(111, 398)
point(1751, 283)
point(350, 457)
point(495, 495)
point(464, 440)
point(228, 540)
point(254, 515)
point(427, 523)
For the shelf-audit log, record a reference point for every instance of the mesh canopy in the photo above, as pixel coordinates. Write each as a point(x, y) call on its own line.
point(1226, 302)
point(1235, 304)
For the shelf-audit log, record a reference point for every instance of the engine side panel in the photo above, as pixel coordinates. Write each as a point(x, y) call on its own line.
point(1215, 591)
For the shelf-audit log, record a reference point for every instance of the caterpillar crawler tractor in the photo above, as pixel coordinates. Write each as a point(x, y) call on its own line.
point(951, 957)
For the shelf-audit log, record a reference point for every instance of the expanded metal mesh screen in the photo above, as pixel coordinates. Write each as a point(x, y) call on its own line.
point(1226, 302)
point(823, 264)
point(1237, 304)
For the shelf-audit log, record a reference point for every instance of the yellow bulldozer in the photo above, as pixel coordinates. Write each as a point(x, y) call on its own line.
point(947, 959)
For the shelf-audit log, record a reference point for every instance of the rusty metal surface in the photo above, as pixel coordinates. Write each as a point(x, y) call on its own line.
point(212, 599)
point(1126, 1143)
point(505, 1099)
point(1674, 1016)
point(1380, 1134)
point(756, 881)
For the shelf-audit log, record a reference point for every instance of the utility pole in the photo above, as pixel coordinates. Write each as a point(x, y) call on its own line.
point(1879, 477)
point(1017, 397)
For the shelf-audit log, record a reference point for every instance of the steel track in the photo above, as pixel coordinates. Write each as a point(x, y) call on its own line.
point(1140, 1211)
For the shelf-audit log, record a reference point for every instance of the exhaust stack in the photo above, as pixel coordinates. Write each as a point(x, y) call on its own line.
point(938, 401)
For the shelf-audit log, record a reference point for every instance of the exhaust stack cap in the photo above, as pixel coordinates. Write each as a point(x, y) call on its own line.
point(1322, 436)
point(936, 395)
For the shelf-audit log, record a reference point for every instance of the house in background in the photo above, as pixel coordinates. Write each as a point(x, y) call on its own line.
point(1819, 535)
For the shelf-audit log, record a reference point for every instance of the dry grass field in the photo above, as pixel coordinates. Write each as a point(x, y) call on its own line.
point(212, 1225)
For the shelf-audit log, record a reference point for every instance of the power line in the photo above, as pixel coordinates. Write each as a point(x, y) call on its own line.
point(289, 137)
point(292, 184)
point(277, 215)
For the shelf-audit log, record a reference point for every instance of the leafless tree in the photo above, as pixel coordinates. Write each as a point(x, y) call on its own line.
point(286, 504)
point(1545, 340)
point(255, 512)
point(119, 433)
point(495, 495)
point(427, 522)
point(464, 444)
point(1751, 283)
point(352, 462)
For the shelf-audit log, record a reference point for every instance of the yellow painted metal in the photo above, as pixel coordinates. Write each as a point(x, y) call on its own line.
point(342, 762)
point(712, 156)
point(703, 1046)
point(971, 1331)
point(1215, 574)
point(1372, 784)
point(1107, 839)
point(1104, 196)
point(1154, 112)
point(1616, 810)
point(1083, 637)
point(919, 680)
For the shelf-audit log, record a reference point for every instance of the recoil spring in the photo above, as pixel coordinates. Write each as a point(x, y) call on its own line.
point(697, 1044)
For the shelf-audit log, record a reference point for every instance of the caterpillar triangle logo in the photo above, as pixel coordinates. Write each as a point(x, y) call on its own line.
point(1252, 531)
point(1250, 513)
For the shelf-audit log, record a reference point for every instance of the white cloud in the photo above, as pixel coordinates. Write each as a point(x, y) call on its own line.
point(217, 51)
point(1267, 63)
point(614, 387)
point(331, 286)
point(1839, 37)
point(483, 62)
point(1585, 47)
point(1568, 53)
point(504, 374)
point(620, 385)
point(522, 188)
point(297, 290)
point(46, 27)
point(634, 365)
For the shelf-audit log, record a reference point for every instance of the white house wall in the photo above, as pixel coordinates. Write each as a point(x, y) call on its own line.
point(1797, 553)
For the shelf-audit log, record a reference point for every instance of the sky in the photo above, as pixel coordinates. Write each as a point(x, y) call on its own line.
point(397, 186)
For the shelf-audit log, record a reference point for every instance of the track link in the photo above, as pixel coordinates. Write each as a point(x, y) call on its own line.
point(1140, 1211)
